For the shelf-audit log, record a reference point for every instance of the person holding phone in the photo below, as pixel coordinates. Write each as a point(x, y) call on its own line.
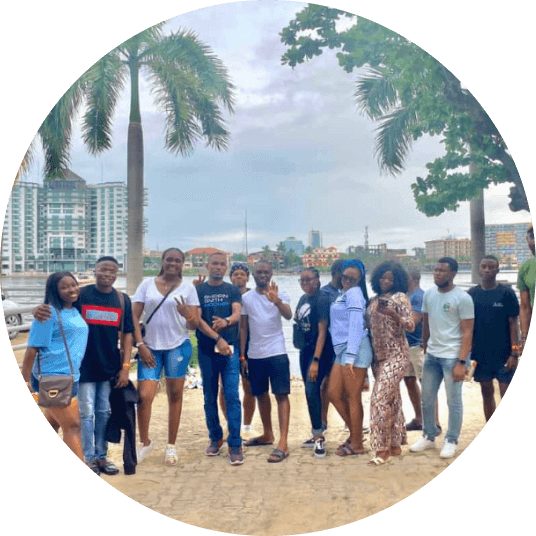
point(389, 316)
point(218, 354)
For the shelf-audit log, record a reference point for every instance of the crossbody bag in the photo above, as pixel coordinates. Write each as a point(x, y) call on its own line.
point(56, 391)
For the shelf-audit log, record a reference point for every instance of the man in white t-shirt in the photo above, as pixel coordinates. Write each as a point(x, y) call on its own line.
point(267, 361)
point(448, 319)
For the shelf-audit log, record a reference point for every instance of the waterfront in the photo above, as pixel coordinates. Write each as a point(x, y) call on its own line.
point(30, 291)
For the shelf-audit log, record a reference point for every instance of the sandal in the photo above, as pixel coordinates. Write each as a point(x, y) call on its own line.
point(347, 450)
point(378, 461)
point(170, 457)
point(277, 456)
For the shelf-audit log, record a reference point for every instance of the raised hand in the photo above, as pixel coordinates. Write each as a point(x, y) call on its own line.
point(184, 309)
point(273, 292)
point(200, 279)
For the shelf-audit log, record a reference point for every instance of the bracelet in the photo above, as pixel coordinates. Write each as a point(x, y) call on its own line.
point(317, 359)
point(217, 339)
point(242, 358)
point(126, 365)
point(138, 344)
point(515, 347)
point(189, 319)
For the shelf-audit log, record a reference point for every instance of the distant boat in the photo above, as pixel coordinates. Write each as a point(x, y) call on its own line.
point(85, 278)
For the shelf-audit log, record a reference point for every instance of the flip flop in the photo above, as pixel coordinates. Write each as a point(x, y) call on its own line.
point(279, 454)
point(256, 443)
point(347, 450)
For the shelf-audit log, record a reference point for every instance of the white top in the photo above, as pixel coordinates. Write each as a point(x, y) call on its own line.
point(167, 328)
point(445, 311)
point(266, 337)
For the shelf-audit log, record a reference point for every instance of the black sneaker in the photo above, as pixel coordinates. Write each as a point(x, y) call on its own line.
point(107, 467)
point(319, 450)
point(236, 456)
point(94, 466)
point(309, 443)
point(439, 430)
point(413, 426)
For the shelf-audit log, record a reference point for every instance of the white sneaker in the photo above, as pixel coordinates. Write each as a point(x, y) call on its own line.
point(422, 444)
point(143, 451)
point(448, 450)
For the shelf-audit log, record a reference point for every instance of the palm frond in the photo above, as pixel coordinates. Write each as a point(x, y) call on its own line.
point(27, 161)
point(56, 130)
point(105, 81)
point(375, 94)
point(394, 139)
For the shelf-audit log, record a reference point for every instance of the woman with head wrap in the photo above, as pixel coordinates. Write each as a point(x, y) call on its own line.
point(353, 354)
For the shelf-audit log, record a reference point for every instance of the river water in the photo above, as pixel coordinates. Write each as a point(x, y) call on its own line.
point(30, 291)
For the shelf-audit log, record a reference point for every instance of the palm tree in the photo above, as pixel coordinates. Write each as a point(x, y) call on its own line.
point(190, 85)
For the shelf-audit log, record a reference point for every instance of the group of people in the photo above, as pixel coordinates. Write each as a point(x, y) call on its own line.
point(401, 333)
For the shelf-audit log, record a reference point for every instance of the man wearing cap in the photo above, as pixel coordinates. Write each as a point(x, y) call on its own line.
point(526, 281)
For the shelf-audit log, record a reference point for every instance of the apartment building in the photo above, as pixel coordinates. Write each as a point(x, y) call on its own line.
point(457, 248)
point(65, 224)
point(507, 241)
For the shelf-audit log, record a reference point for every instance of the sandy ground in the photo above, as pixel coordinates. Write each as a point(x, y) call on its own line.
point(301, 494)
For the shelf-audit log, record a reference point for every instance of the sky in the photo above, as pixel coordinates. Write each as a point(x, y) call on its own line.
point(300, 156)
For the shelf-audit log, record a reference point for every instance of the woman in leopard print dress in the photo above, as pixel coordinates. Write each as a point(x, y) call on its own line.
point(388, 318)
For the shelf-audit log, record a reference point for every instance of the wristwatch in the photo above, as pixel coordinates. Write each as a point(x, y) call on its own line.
point(228, 320)
point(462, 361)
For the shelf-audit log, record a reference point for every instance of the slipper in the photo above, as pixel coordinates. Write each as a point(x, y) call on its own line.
point(279, 454)
point(256, 443)
point(378, 461)
point(347, 450)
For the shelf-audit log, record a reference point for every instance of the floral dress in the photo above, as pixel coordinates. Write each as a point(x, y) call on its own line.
point(391, 360)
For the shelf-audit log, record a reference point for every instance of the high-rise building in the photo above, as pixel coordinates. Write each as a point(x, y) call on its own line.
point(315, 239)
point(294, 244)
point(65, 224)
point(508, 242)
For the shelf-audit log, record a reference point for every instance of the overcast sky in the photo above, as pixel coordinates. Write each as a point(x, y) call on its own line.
point(300, 156)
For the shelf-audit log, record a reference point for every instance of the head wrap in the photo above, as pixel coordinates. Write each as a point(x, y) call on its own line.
point(239, 266)
point(354, 263)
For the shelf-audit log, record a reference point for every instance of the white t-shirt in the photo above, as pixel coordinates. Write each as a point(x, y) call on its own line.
point(167, 328)
point(266, 337)
point(445, 311)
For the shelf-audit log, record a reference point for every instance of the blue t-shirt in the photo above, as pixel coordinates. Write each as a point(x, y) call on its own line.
point(52, 354)
point(415, 298)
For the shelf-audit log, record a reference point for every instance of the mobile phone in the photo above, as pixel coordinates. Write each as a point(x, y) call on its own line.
point(217, 351)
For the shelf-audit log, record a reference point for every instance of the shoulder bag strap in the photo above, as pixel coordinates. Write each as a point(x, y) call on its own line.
point(122, 305)
point(65, 342)
point(158, 306)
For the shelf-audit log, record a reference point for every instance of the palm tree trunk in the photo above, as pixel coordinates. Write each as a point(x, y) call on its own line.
point(478, 232)
point(134, 187)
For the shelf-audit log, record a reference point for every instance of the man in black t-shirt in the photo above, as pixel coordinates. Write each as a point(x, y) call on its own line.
point(102, 366)
point(495, 334)
point(218, 354)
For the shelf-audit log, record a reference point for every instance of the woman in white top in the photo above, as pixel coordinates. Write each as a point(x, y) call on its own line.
point(166, 300)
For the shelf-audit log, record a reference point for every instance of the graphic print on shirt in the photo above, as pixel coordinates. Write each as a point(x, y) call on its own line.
point(102, 316)
point(303, 317)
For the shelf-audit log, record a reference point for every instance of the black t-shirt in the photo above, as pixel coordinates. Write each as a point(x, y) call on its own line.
point(102, 313)
point(491, 334)
point(309, 312)
point(217, 301)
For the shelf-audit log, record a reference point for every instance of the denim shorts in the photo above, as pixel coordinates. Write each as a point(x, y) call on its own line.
point(364, 354)
point(174, 362)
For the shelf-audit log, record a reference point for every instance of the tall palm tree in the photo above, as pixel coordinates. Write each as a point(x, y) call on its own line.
point(190, 85)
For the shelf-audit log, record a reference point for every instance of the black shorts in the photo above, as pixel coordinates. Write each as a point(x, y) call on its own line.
point(487, 374)
point(274, 371)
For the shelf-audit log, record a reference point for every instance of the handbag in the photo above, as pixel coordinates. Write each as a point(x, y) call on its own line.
point(55, 391)
point(298, 337)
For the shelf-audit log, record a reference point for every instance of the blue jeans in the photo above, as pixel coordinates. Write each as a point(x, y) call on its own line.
point(95, 411)
point(435, 370)
point(212, 366)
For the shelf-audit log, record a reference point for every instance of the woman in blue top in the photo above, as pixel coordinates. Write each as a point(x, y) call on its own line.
point(353, 354)
point(61, 292)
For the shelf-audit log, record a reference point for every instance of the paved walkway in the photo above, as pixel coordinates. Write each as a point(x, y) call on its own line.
point(301, 494)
